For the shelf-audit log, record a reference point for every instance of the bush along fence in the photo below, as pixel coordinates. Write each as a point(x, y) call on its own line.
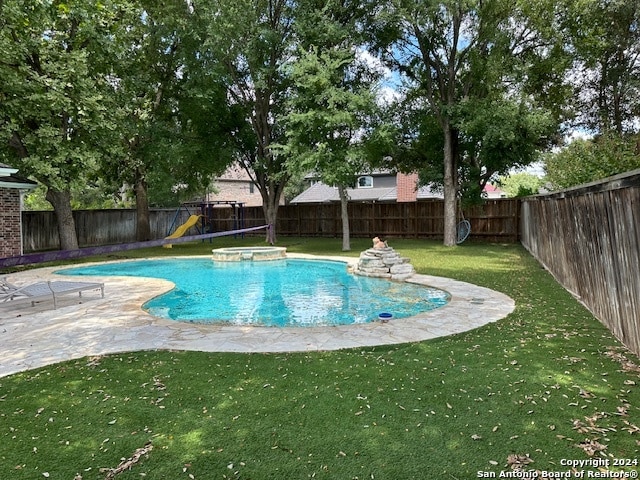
point(588, 237)
point(495, 220)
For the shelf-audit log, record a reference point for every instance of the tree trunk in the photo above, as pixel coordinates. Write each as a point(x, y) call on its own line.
point(450, 186)
point(270, 210)
point(271, 192)
point(344, 213)
point(143, 227)
point(61, 202)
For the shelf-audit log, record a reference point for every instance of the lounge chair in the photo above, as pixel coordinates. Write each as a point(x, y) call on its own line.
point(45, 290)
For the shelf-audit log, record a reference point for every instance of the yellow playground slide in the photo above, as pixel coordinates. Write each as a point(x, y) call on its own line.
point(182, 229)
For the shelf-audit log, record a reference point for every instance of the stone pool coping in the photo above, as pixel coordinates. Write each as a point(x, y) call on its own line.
point(32, 337)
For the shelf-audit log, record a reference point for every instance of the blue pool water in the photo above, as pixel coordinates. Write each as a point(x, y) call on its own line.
point(287, 292)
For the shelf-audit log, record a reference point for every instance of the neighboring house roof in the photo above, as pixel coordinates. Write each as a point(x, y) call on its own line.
point(493, 192)
point(378, 172)
point(9, 179)
point(322, 193)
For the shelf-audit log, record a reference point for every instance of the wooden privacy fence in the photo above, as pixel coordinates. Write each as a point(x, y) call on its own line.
point(495, 220)
point(589, 239)
point(94, 227)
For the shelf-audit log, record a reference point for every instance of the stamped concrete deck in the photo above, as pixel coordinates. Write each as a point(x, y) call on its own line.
point(32, 337)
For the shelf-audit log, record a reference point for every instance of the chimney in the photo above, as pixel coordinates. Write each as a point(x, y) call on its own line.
point(407, 187)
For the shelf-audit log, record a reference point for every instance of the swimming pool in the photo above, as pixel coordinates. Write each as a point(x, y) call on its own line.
point(291, 292)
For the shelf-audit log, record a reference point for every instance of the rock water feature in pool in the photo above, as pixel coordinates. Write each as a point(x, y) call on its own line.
point(382, 261)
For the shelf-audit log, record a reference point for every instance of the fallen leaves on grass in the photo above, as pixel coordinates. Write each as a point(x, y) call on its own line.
point(627, 365)
point(157, 383)
point(128, 463)
point(591, 425)
point(586, 394)
point(591, 447)
point(518, 462)
point(631, 428)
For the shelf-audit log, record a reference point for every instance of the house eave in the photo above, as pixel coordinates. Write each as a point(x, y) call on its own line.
point(18, 185)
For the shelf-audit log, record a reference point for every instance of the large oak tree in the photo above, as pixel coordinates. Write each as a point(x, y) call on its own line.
point(56, 119)
point(467, 64)
point(174, 123)
point(332, 103)
point(251, 42)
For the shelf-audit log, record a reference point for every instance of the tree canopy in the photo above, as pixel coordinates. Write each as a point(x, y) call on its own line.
point(604, 40)
point(587, 160)
point(520, 184)
point(331, 107)
point(159, 96)
point(56, 117)
point(251, 43)
point(173, 118)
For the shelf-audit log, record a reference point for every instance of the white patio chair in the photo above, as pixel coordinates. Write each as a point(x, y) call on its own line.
point(45, 290)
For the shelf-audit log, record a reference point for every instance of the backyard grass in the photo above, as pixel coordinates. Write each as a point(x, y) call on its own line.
point(545, 385)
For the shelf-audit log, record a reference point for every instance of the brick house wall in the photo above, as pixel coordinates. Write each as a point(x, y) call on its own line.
point(235, 185)
point(11, 188)
point(242, 191)
point(10, 223)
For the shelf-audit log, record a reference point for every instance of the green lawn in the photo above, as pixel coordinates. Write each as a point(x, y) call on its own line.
point(547, 384)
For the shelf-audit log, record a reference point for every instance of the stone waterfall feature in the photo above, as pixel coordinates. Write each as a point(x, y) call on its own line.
point(384, 262)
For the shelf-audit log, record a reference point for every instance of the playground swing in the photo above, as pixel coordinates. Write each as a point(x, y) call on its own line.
point(463, 228)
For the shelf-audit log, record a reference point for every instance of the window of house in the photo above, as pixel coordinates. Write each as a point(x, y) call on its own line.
point(251, 187)
point(365, 181)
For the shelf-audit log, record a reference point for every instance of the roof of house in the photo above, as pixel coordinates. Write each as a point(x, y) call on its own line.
point(9, 179)
point(491, 191)
point(322, 193)
point(377, 172)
